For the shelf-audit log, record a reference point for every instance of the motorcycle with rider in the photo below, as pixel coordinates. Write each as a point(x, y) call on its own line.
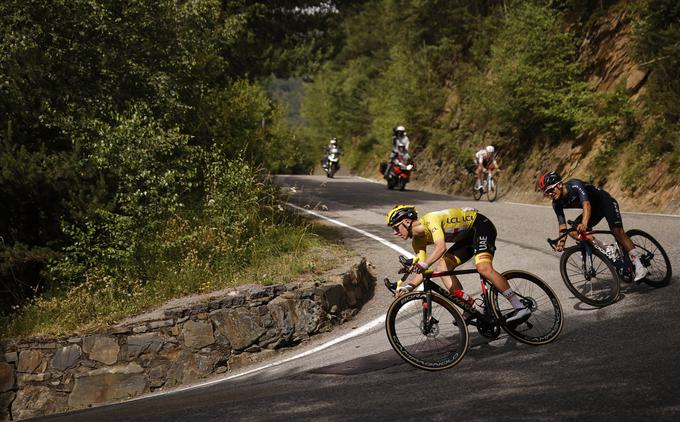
point(397, 172)
point(331, 161)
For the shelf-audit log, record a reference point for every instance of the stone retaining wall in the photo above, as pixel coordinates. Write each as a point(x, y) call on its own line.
point(39, 376)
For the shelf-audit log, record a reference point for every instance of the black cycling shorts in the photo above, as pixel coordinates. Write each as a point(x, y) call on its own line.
point(606, 208)
point(480, 239)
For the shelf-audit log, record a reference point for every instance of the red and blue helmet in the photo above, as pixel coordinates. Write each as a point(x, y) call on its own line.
point(548, 181)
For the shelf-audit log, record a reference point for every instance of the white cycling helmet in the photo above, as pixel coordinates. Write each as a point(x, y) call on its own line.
point(490, 149)
point(400, 129)
point(333, 141)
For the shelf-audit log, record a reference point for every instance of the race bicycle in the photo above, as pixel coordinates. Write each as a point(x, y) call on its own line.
point(489, 187)
point(428, 331)
point(594, 274)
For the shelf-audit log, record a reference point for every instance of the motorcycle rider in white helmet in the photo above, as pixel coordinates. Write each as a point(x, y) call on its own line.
point(485, 159)
point(400, 143)
point(399, 138)
point(333, 143)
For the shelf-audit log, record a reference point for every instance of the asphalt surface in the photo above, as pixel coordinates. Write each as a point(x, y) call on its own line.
point(615, 363)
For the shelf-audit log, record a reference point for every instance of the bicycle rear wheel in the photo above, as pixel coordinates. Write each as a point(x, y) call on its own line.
point(546, 320)
point(492, 191)
point(597, 287)
point(441, 346)
point(653, 257)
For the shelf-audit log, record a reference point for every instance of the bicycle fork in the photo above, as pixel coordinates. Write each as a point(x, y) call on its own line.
point(588, 267)
point(429, 322)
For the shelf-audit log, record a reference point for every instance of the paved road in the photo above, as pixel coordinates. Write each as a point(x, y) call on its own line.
point(617, 363)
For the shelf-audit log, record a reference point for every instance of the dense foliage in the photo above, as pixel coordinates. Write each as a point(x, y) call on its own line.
point(460, 74)
point(391, 70)
point(121, 120)
point(658, 48)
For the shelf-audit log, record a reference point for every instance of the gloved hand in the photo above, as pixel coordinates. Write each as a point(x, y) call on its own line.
point(406, 288)
point(419, 267)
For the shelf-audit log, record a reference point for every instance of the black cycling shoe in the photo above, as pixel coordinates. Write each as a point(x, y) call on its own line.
point(468, 318)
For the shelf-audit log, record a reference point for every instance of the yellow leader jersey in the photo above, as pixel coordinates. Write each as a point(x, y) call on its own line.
point(451, 225)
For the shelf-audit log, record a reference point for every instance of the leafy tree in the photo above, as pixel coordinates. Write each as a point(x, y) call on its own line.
point(111, 112)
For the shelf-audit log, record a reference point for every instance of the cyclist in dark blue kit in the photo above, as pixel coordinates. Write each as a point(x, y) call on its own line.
point(596, 204)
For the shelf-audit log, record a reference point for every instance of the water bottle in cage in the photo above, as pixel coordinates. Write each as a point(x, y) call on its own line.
point(464, 297)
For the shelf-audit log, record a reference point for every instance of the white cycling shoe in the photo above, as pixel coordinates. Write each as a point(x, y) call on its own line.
point(519, 315)
point(640, 272)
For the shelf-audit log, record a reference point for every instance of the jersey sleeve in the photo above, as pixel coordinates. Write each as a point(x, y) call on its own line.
point(419, 248)
point(578, 187)
point(435, 228)
point(559, 211)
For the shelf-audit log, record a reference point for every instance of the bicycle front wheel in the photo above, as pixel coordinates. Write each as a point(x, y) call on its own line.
point(653, 256)
point(546, 320)
point(433, 345)
point(477, 193)
point(597, 285)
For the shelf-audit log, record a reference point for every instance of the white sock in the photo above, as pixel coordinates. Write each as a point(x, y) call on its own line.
point(512, 298)
point(635, 257)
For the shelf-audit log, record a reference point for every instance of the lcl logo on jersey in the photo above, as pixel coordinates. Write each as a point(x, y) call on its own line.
point(456, 220)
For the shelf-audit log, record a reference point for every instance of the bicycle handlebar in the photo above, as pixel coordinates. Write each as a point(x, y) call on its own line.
point(405, 265)
point(405, 269)
point(553, 242)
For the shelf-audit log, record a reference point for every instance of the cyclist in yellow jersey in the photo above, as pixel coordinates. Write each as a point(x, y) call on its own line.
point(472, 234)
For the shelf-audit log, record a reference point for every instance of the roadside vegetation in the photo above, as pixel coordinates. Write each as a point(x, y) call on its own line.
point(135, 143)
point(196, 260)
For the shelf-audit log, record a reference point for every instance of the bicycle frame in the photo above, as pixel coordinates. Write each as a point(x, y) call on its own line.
point(489, 181)
point(486, 318)
point(623, 264)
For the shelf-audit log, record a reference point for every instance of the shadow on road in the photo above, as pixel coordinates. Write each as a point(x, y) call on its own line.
point(346, 191)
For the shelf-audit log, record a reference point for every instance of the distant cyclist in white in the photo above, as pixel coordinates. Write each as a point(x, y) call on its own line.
point(485, 160)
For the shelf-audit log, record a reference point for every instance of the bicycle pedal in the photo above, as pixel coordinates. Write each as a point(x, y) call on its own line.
point(470, 319)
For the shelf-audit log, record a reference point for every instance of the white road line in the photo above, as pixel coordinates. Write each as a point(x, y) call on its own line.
point(622, 212)
point(369, 180)
point(365, 233)
point(361, 330)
